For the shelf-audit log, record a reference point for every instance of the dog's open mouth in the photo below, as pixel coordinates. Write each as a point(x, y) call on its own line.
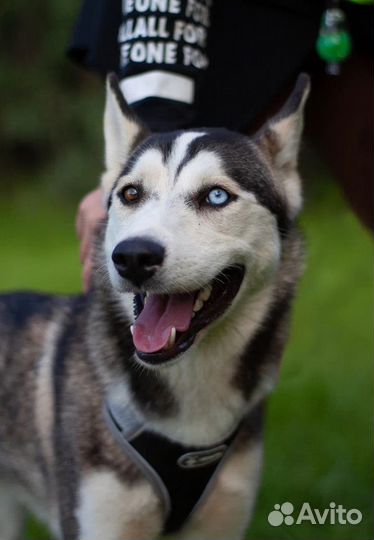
point(167, 325)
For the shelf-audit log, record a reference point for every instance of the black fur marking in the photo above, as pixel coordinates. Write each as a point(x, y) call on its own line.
point(242, 164)
point(19, 312)
point(130, 164)
point(110, 199)
point(164, 143)
point(252, 425)
point(139, 138)
point(265, 348)
point(160, 141)
point(150, 390)
point(65, 465)
point(191, 152)
point(20, 306)
point(259, 185)
point(114, 187)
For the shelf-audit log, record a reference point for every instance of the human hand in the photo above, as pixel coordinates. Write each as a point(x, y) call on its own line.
point(90, 212)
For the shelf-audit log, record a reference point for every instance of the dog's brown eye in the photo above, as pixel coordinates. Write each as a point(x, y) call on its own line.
point(130, 194)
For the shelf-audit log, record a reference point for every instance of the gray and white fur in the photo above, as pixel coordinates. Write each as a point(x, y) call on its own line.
point(61, 357)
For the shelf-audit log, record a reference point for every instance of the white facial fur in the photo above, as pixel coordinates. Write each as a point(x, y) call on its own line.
point(199, 242)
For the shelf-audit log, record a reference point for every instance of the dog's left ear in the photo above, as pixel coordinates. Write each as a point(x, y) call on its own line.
point(280, 138)
point(123, 130)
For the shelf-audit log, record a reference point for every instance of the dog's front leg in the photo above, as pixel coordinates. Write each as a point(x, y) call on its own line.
point(111, 509)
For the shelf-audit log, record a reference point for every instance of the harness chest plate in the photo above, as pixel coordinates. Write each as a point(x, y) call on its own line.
point(181, 474)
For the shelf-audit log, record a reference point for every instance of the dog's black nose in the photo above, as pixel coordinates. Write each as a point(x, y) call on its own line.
point(137, 259)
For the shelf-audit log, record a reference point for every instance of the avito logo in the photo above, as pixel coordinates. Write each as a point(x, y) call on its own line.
point(334, 515)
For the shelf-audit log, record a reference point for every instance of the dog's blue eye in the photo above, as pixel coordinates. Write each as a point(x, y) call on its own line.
point(217, 197)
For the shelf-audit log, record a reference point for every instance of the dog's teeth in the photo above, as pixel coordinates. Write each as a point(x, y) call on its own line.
point(202, 297)
point(172, 337)
point(132, 329)
point(145, 300)
point(198, 304)
point(205, 293)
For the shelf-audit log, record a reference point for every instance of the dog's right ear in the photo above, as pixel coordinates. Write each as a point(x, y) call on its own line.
point(123, 130)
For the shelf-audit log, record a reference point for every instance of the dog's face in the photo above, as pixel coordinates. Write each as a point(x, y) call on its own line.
point(195, 219)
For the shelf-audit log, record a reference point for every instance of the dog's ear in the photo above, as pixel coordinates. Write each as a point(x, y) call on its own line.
point(280, 139)
point(123, 130)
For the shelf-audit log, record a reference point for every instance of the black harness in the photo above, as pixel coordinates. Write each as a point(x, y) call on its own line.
point(182, 475)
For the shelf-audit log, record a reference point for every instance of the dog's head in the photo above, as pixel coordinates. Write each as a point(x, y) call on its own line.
point(195, 218)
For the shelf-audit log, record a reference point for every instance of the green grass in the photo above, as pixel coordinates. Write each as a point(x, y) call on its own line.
point(318, 443)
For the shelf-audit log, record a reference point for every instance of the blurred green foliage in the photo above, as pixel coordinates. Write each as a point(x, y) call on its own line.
point(50, 111)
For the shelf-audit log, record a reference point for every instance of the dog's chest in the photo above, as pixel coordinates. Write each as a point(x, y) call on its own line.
point(182, 475)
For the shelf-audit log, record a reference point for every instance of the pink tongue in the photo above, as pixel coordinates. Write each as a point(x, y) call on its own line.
point(152, 328)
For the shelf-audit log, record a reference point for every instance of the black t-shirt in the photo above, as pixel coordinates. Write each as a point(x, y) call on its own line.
point(185, 63)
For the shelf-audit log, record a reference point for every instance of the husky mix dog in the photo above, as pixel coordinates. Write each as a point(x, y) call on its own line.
point(136, 411)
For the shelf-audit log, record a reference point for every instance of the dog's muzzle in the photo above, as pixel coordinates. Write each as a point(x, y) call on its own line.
point(138, 259)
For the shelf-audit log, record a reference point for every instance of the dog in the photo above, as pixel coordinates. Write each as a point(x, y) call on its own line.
point(136, 411)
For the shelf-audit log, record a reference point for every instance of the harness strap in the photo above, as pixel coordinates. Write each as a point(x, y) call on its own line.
point(181, 474)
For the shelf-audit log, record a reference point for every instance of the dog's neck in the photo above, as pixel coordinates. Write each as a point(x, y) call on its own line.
point(197, 400)
point(210, 402)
